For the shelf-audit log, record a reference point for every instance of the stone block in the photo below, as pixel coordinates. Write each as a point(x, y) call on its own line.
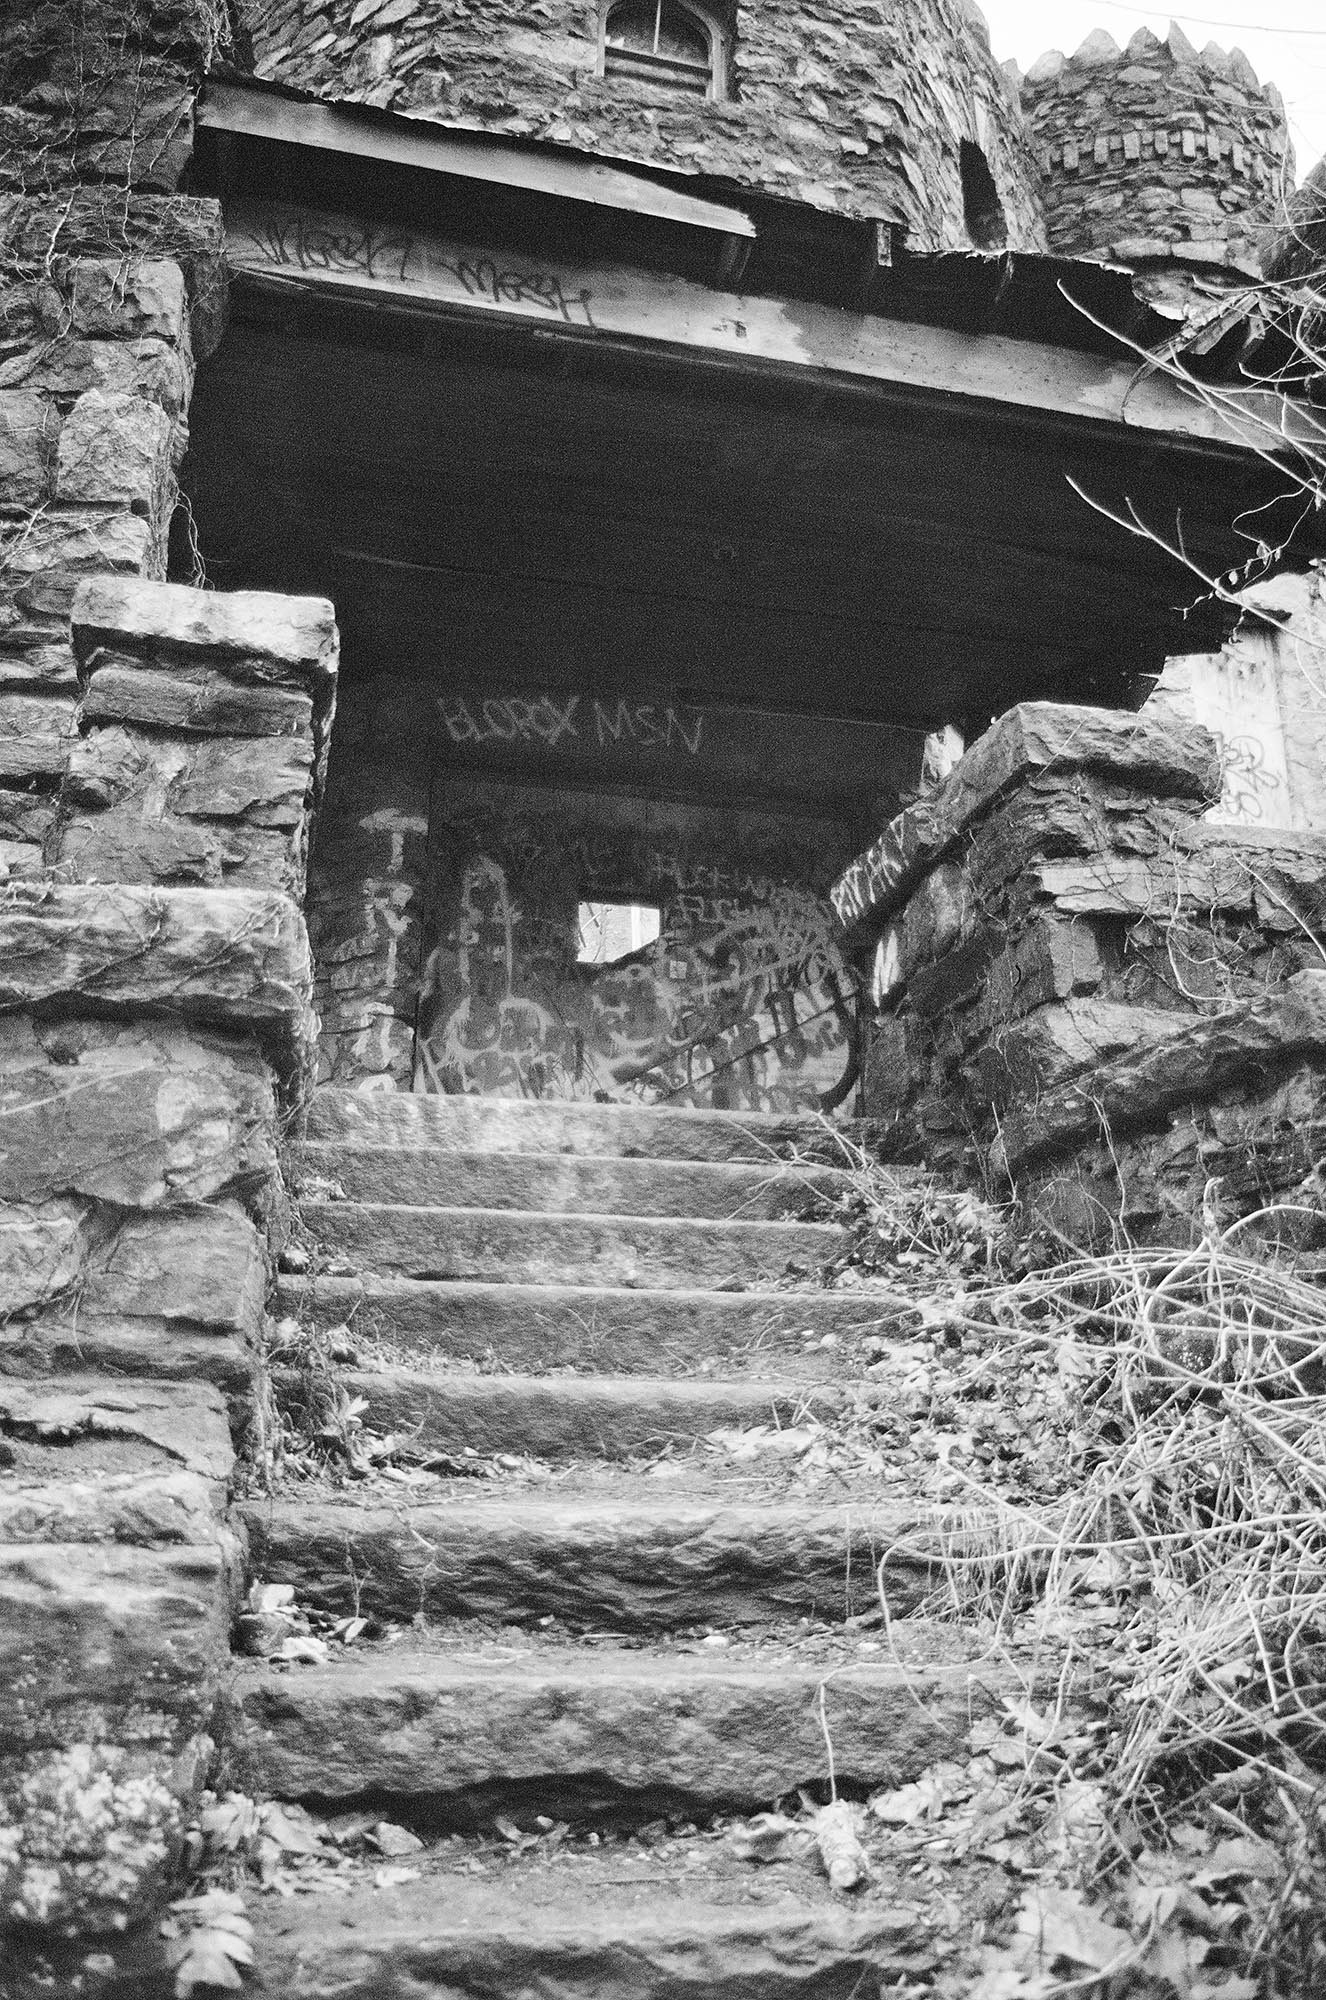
point(36, 731)
point(154, 369)
point(140, 1509)
point(246, 631)
point(36, 663)
point(64, 1339)
point(220, 957)
point(142, 1114)
point(137, 128)
point(178, 1423)
point(1193, 1060)
point(115, 450)
point(106, 1644)
point(123, 845)
point(140, 300)
point(79, 540)
point(1181, 764)
point(196, 698)
point(205, 1268)
point(29, 429)
point(43, 1250)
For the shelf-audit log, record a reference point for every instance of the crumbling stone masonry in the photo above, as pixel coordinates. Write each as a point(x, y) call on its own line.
point(1087, 990)
point(854, 110)
point(160, 750)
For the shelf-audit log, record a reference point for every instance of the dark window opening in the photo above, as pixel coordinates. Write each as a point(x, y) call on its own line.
point(987, 225)
point(665, 44)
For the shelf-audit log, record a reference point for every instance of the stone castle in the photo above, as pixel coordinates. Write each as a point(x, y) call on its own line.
point(479, 478)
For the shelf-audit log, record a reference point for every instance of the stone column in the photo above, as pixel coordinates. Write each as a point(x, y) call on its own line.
point(1087, 993)
point(155, 1023)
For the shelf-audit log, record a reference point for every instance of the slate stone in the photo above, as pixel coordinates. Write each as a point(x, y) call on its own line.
point(1176, 763)
point(141, 1115)
point(450, 1737)
point(101, 1643)
point(115, 450)
point(1200, 1056)
point(201, 1267)
point(612, 1563)
point(180, 1423)
point(215, 956)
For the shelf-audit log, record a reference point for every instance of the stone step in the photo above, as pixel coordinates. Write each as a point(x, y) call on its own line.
point(606, 1561)
point(526, 1125)
point(513, 1245)
point(561, 1418)
point(533, 1328)
point(687, 1924)
point(447, 1737)
point(564, 1184)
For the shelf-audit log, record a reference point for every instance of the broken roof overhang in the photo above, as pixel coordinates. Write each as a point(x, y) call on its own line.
point(413, 141)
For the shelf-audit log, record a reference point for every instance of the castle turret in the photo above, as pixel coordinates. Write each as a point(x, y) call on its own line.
point(1156, 155)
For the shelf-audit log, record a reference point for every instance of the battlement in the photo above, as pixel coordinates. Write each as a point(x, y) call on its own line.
point(1157, 152)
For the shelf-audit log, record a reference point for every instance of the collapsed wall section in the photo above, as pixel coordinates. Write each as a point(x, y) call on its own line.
point(1089, 992)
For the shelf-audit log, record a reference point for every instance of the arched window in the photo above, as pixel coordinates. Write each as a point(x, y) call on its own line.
point(665, 44)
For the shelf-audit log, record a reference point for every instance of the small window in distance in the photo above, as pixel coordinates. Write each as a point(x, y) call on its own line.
point(612, 931)
point(663, 43)
point(987, 225)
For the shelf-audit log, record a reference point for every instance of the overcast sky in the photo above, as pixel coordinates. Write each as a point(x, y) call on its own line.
point(1289, 49)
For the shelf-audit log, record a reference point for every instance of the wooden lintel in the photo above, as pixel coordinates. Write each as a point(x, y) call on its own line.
point(411, 142)
point(314, 250)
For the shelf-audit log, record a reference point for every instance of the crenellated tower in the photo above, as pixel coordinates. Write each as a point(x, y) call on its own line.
point(1158, 156)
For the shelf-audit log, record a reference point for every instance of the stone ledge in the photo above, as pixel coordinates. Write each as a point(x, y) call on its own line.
point(1156, 1076)
point(1182, 764)
point(240, 630)
point(236, 958)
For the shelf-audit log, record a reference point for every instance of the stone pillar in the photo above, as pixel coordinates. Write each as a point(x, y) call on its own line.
point(1087, 993)
point(155, 1019)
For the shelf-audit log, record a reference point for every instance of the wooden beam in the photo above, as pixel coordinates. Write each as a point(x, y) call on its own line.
point(316, 250)
point(409, 142)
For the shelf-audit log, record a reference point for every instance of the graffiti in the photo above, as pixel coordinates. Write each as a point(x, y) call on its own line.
point(649, 725)
point(502, 285)
point(546, 719)
point(743, 1001)
point(305, 242)
point(510, 719)
point(1246, 778)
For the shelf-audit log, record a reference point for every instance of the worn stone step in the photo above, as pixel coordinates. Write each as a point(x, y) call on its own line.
point(559, 1417)
point(533, 1328)
point(526, 1125)
point(449, 1736)
point(565, 1184)
point(629, 1563)
point(687, 1925)
point(506, 1245)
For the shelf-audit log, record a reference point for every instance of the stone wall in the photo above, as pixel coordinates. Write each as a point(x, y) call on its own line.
point(1155, 152)
point(160, 752)
point(1263, 697)
point(153, 1031)
point(851, 109)
point(1085, 989)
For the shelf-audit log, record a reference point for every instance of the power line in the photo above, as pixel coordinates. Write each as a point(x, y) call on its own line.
point(1204, 21)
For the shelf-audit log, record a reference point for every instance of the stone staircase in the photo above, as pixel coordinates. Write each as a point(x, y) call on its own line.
point(629, 1627)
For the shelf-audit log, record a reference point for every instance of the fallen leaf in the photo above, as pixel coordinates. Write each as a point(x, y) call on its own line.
point(1062, 1924)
